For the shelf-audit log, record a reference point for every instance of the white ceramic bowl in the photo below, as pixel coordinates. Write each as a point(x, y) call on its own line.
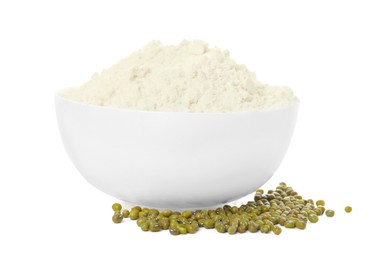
point(174, 159)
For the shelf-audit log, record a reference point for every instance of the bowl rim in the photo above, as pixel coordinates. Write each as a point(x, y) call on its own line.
point(293, 104)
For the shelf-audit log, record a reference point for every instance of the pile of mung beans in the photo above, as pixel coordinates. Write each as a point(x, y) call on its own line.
point(267, 213)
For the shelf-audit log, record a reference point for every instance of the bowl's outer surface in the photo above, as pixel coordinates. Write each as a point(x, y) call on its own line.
point(174, 160)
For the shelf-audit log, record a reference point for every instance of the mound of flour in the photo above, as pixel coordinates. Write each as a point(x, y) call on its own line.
point(189, 77)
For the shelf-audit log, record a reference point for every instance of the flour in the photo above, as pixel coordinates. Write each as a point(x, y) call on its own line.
point(189, 77)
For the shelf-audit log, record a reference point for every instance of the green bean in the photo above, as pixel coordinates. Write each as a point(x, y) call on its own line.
point(220, 227)
point(253, 227)
point(242, 228)
point(182, 229)
point(301, 224)
point(125, 213)
point(320, 203)
point(137, 208)
point(277, 230)
point(290, 224)
point(265, 229)
point(167, 213)
point(209, 223)
point(117, 217)
point(330, 213)
point(145, 226)
point(134, 214)
point(232, 229)
point(154, 226)
point(164, 223)
point(313, 218)
point(190, 229)
point(116, 207)
point(186, 214)
point(174, 231)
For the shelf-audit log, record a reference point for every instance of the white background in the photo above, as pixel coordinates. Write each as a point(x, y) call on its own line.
point(326, 51)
